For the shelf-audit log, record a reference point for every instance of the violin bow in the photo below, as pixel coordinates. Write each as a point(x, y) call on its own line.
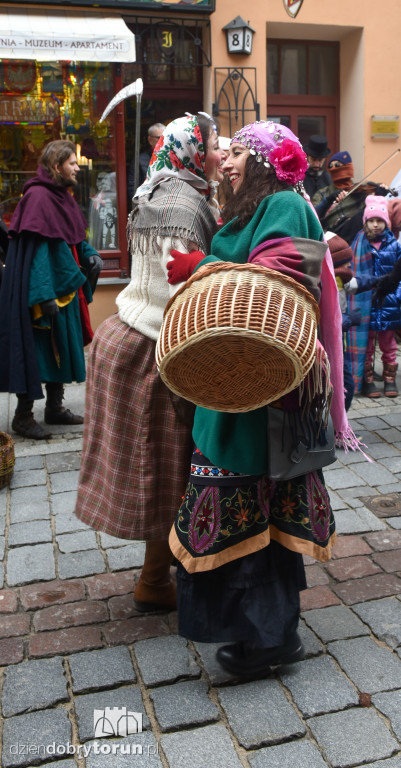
point(390, 157)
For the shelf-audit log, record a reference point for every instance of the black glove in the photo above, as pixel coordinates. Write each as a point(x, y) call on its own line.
point(350, 318)
point(95, 262)
point(95, 267)
point(355, 316)
point(50, 307)
point(387, 284)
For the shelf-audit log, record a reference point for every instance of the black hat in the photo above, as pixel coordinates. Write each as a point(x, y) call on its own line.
point(317, 146)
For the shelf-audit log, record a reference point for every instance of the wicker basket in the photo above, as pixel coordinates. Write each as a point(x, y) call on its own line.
point(7, 458)
point(236, 337)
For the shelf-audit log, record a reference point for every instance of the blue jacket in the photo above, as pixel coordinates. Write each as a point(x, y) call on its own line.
point(388, 316)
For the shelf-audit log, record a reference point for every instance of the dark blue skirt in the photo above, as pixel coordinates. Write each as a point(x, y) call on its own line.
point(254, 599)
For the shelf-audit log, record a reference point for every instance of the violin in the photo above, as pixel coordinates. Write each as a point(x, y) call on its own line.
point(372, 188)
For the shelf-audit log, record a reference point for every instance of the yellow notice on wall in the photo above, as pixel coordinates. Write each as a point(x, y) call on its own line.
point(385, 127)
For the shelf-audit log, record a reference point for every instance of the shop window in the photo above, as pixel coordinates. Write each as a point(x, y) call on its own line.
point(44, 101)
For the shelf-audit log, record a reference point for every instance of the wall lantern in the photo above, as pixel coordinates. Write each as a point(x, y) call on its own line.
point(239, 36)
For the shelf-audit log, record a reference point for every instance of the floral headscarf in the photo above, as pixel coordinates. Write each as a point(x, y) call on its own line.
point(179, 153)
point(276, 146)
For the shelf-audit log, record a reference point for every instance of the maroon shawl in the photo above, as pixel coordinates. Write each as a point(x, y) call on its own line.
point(49, 210)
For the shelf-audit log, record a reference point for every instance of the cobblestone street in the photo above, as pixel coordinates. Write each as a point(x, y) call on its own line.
point(71, 641)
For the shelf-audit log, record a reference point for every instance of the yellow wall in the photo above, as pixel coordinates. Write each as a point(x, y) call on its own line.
point(370, 73)
point(370, 63)
point(104, 303)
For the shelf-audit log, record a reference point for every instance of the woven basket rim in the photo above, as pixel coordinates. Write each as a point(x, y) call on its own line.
point(208, 334)
point(5, 439)
point(225, 266)
point(7, 458)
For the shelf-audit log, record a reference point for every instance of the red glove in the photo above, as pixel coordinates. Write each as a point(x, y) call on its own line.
point(181, 268)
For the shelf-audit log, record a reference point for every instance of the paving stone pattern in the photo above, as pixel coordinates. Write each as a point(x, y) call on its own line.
point(77, 662)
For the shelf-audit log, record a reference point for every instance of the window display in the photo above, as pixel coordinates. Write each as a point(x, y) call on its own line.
point(43, 101)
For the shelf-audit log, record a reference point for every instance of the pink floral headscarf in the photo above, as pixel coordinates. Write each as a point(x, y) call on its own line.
point(276, 146)
point(179, 153)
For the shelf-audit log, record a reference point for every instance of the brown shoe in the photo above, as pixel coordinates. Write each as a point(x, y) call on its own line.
point(162, 598)
point(155, 591)
point(62, 416)
point(25, 425)
point(55, 413)
point(389, 374)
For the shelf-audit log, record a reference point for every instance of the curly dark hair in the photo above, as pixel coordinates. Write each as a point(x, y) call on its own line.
point(258, 182)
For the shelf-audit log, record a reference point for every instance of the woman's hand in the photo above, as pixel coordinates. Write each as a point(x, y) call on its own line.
point(181, 268)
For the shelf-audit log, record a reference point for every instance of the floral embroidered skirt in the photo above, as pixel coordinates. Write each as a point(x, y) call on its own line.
point(239, 542)
point(225, 515)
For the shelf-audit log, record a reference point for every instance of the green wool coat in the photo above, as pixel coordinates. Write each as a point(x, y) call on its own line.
point(238, 441)
point(55, 274)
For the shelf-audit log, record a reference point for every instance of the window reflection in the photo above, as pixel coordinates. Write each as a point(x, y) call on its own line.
point(44, 101)
point(295, 68)
point(103, 213)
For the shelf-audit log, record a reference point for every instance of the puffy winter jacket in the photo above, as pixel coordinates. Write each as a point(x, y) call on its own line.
point(388, 316)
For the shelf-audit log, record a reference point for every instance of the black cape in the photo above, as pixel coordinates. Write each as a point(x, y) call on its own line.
point(19, 370)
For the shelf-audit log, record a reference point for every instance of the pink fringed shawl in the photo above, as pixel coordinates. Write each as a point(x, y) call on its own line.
point(331, 335)
point(268, 254)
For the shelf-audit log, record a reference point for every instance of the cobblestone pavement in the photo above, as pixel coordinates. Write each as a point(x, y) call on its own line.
point(71, 642)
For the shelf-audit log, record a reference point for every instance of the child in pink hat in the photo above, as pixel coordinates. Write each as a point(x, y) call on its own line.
point(375, 252)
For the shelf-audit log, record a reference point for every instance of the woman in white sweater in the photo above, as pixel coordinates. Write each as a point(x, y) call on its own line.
point(137, 441)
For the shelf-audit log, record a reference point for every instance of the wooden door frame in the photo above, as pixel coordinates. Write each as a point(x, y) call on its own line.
point(294, 108)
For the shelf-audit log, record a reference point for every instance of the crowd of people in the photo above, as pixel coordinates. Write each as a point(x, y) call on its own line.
point(362, 227)
point(193, 482)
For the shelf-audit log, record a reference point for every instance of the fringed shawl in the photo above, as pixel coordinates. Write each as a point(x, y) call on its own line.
point(362, 264)
point(297, 257)
point(173, 209)
point(290, 256)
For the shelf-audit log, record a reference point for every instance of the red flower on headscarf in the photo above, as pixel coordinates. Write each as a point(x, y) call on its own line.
point(197, 133)
point(197, 160)
point(289, 161)
point(153, 158)
point(175, 160)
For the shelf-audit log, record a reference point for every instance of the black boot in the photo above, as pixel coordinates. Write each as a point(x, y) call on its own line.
point(23, 422)
point(55, 413)
point(243, 661)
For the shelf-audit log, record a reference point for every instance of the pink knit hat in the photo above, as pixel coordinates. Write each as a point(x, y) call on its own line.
point(376, 207)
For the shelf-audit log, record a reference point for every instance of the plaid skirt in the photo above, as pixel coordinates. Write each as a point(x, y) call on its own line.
point(136, 447)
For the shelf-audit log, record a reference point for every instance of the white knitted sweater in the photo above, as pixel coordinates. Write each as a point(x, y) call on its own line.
point(141, 304)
